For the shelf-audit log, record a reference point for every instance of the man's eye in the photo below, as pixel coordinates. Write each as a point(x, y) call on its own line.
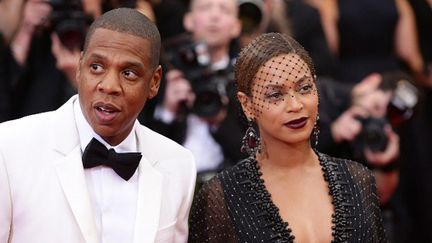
point(129, 74)
point(96, 68)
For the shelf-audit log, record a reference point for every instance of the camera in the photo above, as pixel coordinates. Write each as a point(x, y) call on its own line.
point(399, 109)
point(210, 87)
point(372, 135)
point(211, 92)
point(70, 22)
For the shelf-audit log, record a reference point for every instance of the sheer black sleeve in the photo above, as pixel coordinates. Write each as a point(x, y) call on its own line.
point(369, 200)
point(210, 220)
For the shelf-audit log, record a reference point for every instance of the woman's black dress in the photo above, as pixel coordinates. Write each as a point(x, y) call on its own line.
point(235, 206)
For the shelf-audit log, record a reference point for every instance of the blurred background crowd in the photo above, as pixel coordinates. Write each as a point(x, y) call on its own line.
point(373, 60)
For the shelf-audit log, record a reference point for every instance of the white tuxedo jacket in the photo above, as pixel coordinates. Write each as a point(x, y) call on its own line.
point(43, 191)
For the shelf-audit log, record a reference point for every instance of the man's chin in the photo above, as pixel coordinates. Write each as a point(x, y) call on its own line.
point(105, 131)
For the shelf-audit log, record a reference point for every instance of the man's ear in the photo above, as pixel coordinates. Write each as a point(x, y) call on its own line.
point(155, 82)
point(78, 72)
point(246, 104)
point(188, 22)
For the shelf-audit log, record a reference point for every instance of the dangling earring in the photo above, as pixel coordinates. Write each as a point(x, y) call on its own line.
point(315, 132)
point(250, 141)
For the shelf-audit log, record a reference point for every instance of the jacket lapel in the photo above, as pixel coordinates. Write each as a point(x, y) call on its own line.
point(72, 179)
point(71, 172)
point(149, 193)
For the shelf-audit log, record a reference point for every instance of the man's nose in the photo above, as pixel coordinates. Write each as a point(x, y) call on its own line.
point(215, 12)
point(110, 84)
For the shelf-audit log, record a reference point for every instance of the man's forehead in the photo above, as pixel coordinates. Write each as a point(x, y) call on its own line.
point(232, 3)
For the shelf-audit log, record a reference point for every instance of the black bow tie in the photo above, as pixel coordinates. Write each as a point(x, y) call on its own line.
point(124, 164)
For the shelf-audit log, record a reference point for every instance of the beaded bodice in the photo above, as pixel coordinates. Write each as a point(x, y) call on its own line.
point(236, 207)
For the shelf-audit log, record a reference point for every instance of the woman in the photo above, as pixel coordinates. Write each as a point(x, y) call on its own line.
point(285, 191)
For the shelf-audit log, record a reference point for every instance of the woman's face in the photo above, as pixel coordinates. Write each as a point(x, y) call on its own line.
point(284, 100)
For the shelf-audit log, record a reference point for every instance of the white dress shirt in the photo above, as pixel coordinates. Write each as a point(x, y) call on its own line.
point(114, 200)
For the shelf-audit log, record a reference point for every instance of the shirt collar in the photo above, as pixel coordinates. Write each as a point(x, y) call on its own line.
point(221, 64)
point(86, 133)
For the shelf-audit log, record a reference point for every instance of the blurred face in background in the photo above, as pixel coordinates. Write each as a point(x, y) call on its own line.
point(214, 22)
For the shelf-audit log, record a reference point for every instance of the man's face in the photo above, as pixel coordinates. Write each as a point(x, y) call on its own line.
point(213, 21)
point(115, 79)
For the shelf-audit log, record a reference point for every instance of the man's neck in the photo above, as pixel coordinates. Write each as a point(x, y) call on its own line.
point(218, 53)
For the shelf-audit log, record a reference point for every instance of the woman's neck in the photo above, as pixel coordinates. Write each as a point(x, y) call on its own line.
point(280, 155)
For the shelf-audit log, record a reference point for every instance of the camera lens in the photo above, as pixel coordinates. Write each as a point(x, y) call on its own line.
point(70, 34)
point(207, 104)
point(373, 135)
point(70, 22)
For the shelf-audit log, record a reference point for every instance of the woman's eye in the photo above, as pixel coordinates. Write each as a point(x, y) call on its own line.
point(129, 74)
point(274, 95)
point(306, 88)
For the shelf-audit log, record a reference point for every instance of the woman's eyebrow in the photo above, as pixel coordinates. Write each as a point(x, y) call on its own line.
point(303, 78)
point(273, 86)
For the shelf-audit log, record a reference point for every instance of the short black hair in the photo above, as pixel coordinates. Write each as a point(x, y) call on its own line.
point(129, 21)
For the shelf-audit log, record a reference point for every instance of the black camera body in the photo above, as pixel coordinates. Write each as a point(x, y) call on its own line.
point(210, 92)
point(70, 22)
point(210, 87)
point(399, 110)
point(372, 135)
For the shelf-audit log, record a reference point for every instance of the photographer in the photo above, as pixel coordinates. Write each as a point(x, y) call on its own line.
point(365, 122)
point(198, 108)
point(362, 125)
point(45, 54)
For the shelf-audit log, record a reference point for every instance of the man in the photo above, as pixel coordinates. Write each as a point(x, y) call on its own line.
point(213, 139)
point(355, 124)
point(53, 186)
